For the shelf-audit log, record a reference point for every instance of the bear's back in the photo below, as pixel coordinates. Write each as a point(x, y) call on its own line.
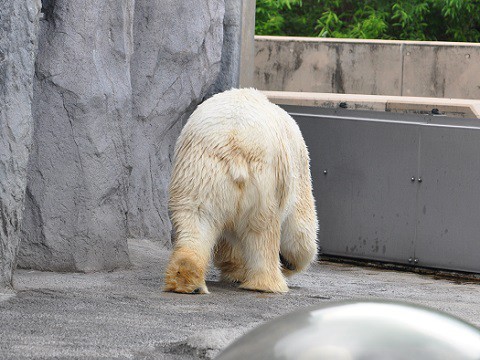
point(246, 119)
point(243, 152)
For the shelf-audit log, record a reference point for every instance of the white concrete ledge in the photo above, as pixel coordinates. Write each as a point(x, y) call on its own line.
point(465, 108)
point(362, 41)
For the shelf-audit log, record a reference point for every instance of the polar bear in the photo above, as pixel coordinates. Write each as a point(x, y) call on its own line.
point(241, 191)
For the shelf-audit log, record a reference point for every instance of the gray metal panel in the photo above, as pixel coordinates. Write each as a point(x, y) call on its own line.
point(369, 208)
point(448, 234)
point(366, 201)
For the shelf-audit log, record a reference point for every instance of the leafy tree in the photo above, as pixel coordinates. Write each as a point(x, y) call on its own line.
point(269, 18)
point(446, 20)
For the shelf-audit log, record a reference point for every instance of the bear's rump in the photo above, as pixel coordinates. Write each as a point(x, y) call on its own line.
point(250, 202)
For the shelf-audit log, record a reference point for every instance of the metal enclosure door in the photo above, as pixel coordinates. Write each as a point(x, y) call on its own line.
point(448, 233)
point(362, 170)
point(371, 203)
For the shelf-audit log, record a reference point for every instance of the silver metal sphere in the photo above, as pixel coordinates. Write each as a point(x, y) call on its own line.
point(360, 330)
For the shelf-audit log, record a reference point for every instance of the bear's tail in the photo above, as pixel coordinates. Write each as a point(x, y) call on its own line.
point(239, 170)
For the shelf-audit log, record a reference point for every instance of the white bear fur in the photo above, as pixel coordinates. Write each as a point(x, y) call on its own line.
point(240, 190)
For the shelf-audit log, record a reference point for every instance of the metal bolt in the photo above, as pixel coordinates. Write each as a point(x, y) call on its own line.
point(415, 261)
point(408, 53)
point(467, 56)
point(420, 179)
point(410, 260)
point(325, 172)
point(413, 178)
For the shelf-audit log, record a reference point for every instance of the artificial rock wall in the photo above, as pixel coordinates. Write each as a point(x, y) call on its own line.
point(18, 23)
point(114, 81)
point(78, 173)
point(178, 47)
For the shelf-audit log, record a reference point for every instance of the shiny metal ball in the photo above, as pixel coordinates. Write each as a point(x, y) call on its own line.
point(360, 330)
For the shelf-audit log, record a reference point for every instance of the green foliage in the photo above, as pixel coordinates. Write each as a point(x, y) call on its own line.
point(268, 17)
point(446, 20)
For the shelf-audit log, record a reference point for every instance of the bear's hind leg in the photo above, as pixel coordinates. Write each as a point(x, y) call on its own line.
point(228, 258)
point(191, 255)
point(261, 249)
point(298, 244)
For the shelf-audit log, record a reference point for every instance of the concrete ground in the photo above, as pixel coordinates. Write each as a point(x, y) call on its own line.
point(124, 314)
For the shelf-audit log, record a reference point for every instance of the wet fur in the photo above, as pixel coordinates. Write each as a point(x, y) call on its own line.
point(241, 190)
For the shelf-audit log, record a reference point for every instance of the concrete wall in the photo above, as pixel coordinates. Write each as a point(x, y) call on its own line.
point(247, 55)
point(371, 67)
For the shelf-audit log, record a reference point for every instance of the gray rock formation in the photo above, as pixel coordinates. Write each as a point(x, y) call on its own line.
point(177, 56)
point(238, 46)
point(231, 48)
point(114, 82)
point(79, 168)
point(18, 20)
